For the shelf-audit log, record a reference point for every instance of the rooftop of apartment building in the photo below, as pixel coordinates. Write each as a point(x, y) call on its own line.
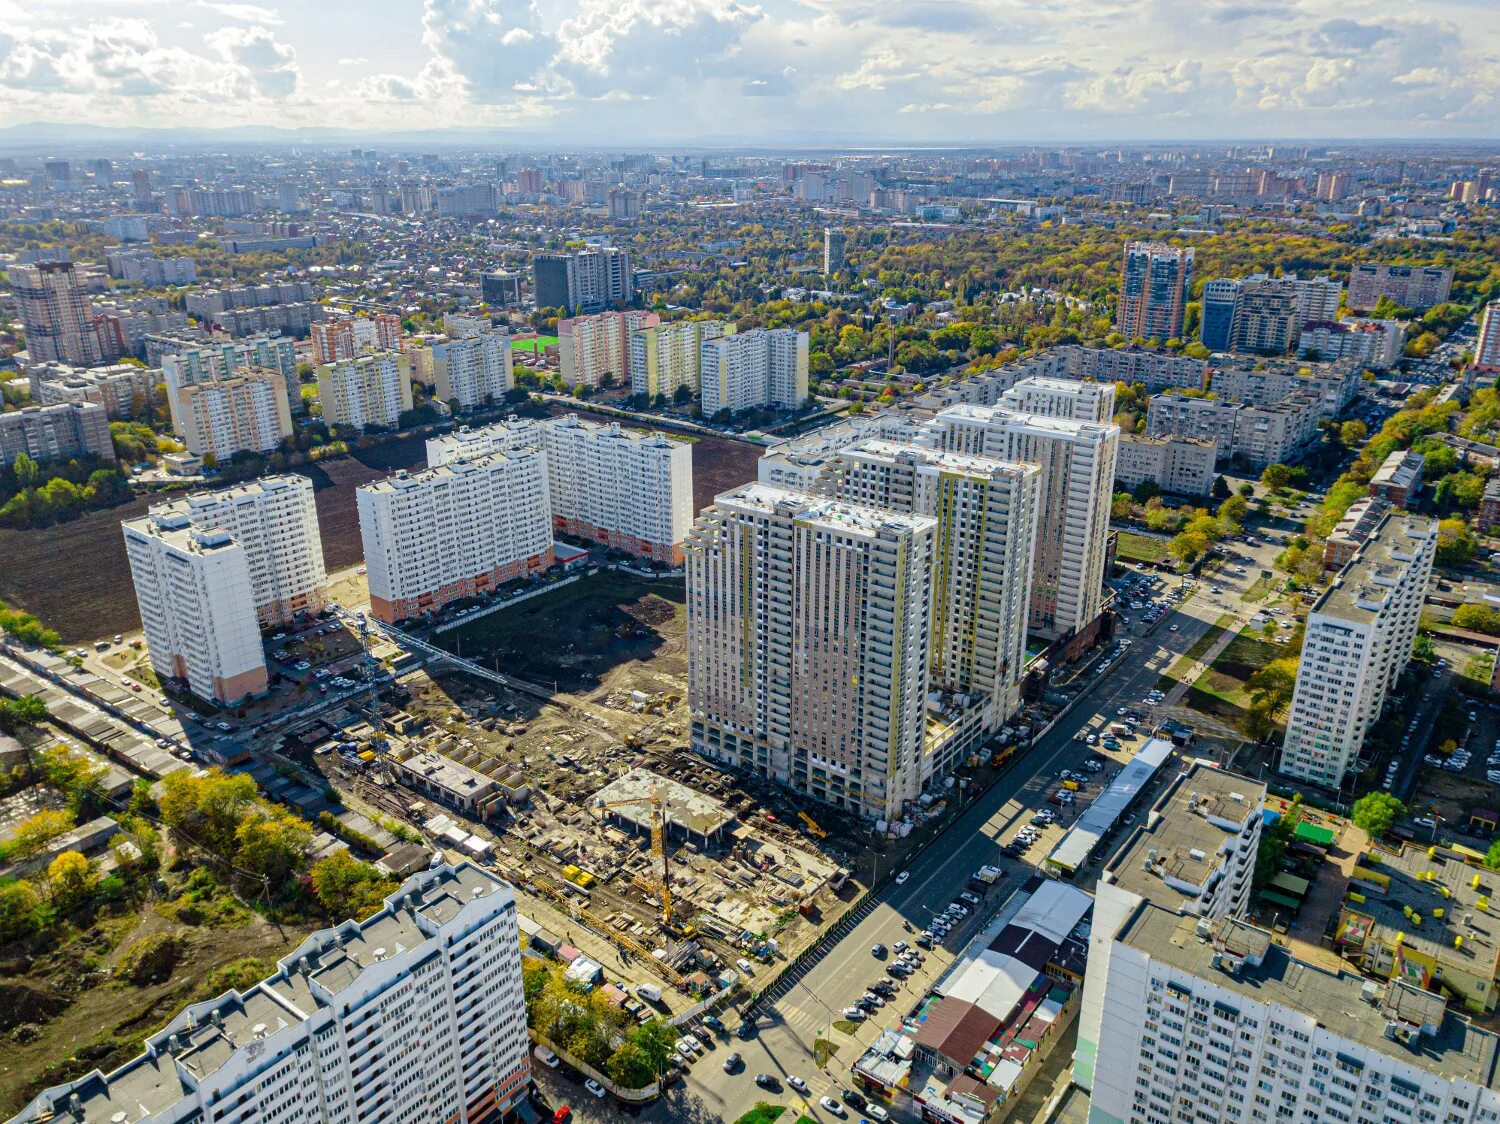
point(1399, 469)
point(820, 511)
point(1166, 439)
point(205, 1035)
point(1243, 959)
point(984, 415)
point(950, 462)
point(402, 480)
point(1183, 834)
point(1360, 590)
point(1360, 521)
point(172, 527)
point(1442, 890)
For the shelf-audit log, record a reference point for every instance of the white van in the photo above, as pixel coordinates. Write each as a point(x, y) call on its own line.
point(649, 992)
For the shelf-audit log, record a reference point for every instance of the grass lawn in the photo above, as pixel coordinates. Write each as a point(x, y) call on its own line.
point(1258, 590)
point(1141, 548)
point(846, 1026)
point(823, 1051)
point(1246, 654)
point(1480, 668)
point(762, 1113)
point(537, 345)
point(1200, 647)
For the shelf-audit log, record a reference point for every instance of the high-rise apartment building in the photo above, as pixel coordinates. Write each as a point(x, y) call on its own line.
point(1359, 637)
point(56, 433)
point(472, 371)
point(1487, 346)
point(1154, 290)
point(1077, 460)
point(1062, 398)
point(1183, 466)
point(1408, 286)
point(55, 314)
point(197, 604)
point(501, 288)
point(625, 489)
point(372, 390)
point(275, 520)
point(834, 241)
point(624, 204)
point(667, 357)
point(1214, 1021)
point(349, 336)
point(454, 531)
point(1333, 186)
point(244, 411)
point(415, 1014)
point(582, 281)
point(124, 390)
point(193, 361)
point(808, 632)
point(986, 513)
point(593, 349)
point(1220, 299)
point(764, 367)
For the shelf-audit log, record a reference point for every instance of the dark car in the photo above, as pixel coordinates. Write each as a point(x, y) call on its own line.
point(853, 1099)
point(713, 1023)
point(732, 1063)
point(745, 1032)
point(766, 1081)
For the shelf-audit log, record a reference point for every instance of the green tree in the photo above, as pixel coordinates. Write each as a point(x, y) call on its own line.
point(1351, 433)
point(1188, 547)
point(346, 887)
point(1376, 811)
point(1491, 857)
point(25, 470)
point(1276, 476)
point(272, 843)
point(71, 879)
point(28, 710)
point(1477, 618)
point(22, 912)
point(1456, 543)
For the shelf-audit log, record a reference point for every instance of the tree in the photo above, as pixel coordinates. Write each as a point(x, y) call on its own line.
point(1477, 618)
point(1188, 547)
point(1456, 543)
point(346, 887)
point(1491, 857)
point(1376, 811)
point(1247, 490)
point(21, 910)
point(1351, 433)
point(1423, 650)
point(26, 471)
point(1276, 476)
point(272, 843)
point(1220, 488)
point(1235, 509)
point(28, 710)
point(206, 811)
point(70, 878)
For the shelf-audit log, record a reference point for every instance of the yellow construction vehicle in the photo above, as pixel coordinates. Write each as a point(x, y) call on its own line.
point(662, 884)
point(812, 826)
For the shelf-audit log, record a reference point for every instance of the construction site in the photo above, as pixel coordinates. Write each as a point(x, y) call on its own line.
point(587, 799)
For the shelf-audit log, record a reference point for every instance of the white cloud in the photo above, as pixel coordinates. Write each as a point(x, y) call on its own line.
point(657, 69)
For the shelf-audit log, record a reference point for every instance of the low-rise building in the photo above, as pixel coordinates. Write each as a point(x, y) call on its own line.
point(1399, 477)
point(1489, 506)
point(1353, 531)
point(123, 389)
point(1410, 913)
point(1181, 465)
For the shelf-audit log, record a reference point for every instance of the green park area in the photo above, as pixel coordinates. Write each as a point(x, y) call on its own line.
point(537, 345)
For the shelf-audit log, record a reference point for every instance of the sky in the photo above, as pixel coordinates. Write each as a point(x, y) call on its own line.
point(649, 71)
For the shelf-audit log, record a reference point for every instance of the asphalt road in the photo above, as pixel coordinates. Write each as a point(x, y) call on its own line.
point(806, 1012)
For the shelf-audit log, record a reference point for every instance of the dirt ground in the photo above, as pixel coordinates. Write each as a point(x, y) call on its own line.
point(84, 1020)
point(599, 630)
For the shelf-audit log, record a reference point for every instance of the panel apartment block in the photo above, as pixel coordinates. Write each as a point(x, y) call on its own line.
point(368, 391)
point(197, 604)
point(454, 531)
point(56, 433)
point(275, 520)
point(1358, 640)
point(764, 367)
point(592, 349)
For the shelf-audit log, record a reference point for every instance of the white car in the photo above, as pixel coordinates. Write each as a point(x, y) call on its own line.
point(797, 1083)
point(594, 1087)
point(854, 1014)
point(902, 877)
point(832, 1106)
point(547, 1057)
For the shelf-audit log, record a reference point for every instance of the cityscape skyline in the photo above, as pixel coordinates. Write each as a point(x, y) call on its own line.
point(960, 72)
